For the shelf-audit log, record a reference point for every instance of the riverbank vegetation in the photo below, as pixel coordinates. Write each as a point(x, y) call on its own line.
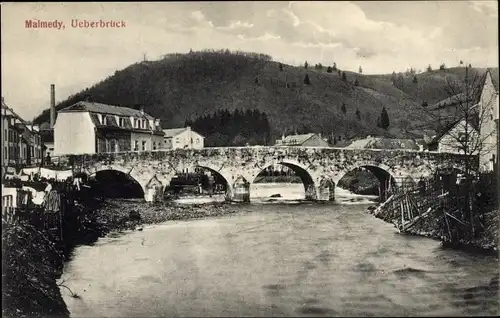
point(462, 216)
point(33, 257)
point(31, 263)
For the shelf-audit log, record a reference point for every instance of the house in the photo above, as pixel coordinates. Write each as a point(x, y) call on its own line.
point(384, 143)
point(182, 138)
point(89, 128)
point(306, 140)
point(452, 138)
point(483, 101)
point(21, 144)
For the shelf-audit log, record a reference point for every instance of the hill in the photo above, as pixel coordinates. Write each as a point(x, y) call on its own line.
point(183, 87)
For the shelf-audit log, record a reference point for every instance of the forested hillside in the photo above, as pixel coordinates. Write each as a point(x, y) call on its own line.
point(186, 87)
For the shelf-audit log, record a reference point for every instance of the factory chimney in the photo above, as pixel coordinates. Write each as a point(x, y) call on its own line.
point(52, 105)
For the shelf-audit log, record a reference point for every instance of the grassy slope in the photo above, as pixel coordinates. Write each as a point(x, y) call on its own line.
point(186, 86)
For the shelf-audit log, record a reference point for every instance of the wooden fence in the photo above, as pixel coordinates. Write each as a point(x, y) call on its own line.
point(33, 215)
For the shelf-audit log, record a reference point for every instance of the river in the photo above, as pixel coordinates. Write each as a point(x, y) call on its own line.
point(279, 259)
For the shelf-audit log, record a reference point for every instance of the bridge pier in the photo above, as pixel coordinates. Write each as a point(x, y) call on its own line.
point(311, 193)
point(241, 190)
point(153, 191)
point(326, 191)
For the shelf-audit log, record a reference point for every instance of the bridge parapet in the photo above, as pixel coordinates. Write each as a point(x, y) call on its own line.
point(312, 164)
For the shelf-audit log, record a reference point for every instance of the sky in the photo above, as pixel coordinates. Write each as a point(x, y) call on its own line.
point(380, 36)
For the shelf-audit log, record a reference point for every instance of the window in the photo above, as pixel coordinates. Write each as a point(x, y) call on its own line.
point(462, 137)
point(6, 152)
point(144, 145)
point(120, 122)
point(136, 145)
point(154, 145)
point(104, 120)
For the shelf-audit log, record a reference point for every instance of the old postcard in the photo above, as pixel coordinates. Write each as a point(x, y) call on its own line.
point(228, 159)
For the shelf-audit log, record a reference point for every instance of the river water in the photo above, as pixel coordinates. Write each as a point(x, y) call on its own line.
point(277, 259)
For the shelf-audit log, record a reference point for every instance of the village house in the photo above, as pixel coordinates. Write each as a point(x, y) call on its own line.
point(21, 143)
point(482, 125)
point(88, 128)
point(182, 138)
point(452, 138)
point(306, 140)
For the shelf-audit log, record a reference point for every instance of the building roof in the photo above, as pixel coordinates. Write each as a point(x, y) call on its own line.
point(85, 106)
point(169, 133)
point(473, 123)
point(474, 96)
point(383, 143)
point(295, 139)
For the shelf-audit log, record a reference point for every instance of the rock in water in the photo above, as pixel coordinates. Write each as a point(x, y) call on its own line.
point(277, 195)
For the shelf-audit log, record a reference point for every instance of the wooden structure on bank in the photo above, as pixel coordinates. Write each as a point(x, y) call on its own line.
point(43, 217)
point(410, 206)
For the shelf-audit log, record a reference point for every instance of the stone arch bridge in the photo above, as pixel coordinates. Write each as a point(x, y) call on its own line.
point(320, 168)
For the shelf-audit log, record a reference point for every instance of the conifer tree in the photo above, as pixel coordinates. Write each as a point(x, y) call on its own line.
point(306, 80)
point(384, 119)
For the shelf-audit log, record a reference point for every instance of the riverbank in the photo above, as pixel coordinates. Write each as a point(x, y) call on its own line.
point(131, 214)
point(32, 262)
point(485, 243)
point(31, 265)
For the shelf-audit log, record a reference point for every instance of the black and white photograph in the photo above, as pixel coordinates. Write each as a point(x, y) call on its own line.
point(250, 159)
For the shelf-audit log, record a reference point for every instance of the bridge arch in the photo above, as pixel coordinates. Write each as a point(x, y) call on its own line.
point(221, 177)
point(387, 177)
point(213, 170)
point(139, 185)
point(300, 170)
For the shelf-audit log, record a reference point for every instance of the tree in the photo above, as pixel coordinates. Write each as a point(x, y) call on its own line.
point(281, 67)
point(394, 77)
point(306, 80)
point(356, 83)
point(358, 114)
point(442, 67)
point(384, 119)
point(461, 62)
point(329, 69)
point(334, 66)
point(429, 68)
point(468, 111)
point(360, 70)
point(343, 108)
point(306, 65)
point(344, 78)
point(415, 80)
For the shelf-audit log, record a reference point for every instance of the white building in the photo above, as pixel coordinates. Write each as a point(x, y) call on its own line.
point(89, 128)
point(452, 138)
point(482, 124)
point(306, 140)
point(182, 138)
